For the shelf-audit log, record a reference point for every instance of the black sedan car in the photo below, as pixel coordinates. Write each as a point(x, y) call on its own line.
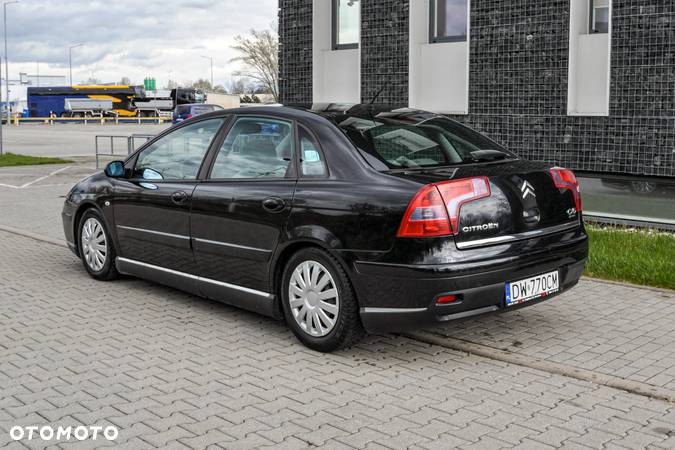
point(340, 220)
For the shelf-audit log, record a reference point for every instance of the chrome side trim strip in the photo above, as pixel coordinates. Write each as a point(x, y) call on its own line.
point(518, 237)
point(225, 244)
point(159, 233)
point(392, 310)
point(197, 278)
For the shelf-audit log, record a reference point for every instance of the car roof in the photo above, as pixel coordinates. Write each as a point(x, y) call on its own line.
point(334, 112)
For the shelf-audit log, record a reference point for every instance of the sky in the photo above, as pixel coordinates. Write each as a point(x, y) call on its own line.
point(131, 38)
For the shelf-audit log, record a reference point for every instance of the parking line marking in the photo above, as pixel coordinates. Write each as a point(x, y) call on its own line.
point(37, 180)
point(9, 186)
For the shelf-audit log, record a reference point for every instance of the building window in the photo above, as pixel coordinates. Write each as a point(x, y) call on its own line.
point(448, 20)
point(599, 16)
point(346, 24)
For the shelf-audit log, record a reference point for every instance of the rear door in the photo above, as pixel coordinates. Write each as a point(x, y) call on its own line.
point(152, 207)
point(241, 209)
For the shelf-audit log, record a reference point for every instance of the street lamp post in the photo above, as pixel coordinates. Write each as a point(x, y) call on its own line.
point(4, 15)
point(4, 12)
point(210, 58)
point(70, 60)
point(0, 107)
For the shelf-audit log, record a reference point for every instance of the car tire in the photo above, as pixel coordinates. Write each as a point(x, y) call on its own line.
point(97, 250)
point(331, 320)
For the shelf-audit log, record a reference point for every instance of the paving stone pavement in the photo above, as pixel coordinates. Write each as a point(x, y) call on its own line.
point(610, 328)
point(37, 207)
point(171, 370)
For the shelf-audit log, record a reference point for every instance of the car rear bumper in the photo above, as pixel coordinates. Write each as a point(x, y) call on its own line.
point(475, 301)
point(399, 298)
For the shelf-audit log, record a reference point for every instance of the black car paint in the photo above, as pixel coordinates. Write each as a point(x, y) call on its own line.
point(354, 213)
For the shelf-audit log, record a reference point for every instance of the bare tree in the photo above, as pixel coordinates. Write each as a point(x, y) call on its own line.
point(259, 52)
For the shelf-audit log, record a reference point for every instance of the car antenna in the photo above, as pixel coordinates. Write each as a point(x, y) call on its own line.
point(380, 91)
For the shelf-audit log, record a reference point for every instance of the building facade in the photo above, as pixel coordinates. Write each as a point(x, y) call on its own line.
point(587, 84)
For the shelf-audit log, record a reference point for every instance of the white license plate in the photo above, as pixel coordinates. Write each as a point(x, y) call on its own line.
point(532, 288)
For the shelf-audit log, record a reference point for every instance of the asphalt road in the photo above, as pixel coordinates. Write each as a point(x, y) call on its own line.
point(68, 139)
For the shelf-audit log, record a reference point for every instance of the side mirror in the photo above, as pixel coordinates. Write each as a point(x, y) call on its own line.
point(115, 169)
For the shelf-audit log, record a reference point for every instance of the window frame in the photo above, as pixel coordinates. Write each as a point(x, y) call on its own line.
point(335, 28)
point(132, 160)
point(212, 156)
point(591, 17)
point(433, 38)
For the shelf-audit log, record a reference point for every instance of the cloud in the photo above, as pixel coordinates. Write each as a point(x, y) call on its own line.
point(132, 38)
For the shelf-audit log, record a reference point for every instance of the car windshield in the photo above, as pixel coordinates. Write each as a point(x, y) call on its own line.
point(434, 142)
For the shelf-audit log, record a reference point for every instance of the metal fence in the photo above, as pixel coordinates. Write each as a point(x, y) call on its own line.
point(106, 145)
point(89, 120)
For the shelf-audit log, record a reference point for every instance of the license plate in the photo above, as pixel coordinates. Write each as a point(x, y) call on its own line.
point(522, 291)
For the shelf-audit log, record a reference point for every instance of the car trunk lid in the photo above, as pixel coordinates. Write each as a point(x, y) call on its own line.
point(525, 200)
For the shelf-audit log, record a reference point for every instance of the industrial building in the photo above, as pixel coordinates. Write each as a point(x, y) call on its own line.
point(587, 84)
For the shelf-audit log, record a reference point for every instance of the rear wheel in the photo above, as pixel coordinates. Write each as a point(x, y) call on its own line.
point(96, 248)
point(319, 302)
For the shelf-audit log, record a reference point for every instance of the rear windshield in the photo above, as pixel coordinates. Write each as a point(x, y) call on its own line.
point(434, 142)
point(203, 109)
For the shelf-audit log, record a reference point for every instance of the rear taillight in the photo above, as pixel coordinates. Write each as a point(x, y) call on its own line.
point(456, 193)
point(565, 179)
point(434, 211)
point(426, 215)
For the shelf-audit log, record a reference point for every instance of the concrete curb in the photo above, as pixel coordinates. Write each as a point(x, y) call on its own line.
point(631, 285)
point(633, 387)
point(35, 236)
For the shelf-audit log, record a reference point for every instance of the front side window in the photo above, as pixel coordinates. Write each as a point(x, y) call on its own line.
point(448, 20)
point(255, 148)
point(178, 155)
point(346, 24)
point(599, 16)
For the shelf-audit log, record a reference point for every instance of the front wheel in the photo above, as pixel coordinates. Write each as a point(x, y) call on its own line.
point(319, 302)
point(96, 248)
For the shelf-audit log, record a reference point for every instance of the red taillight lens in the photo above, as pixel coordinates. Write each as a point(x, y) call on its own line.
point(426, 215)
point(456, 193)
point(434, 211)
point(565, 179)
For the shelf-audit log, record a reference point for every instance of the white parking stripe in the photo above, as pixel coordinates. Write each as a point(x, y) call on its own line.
point(44, 177)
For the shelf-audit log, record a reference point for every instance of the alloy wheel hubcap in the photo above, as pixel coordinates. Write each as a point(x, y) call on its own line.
point(314, 298)
point(94, 245)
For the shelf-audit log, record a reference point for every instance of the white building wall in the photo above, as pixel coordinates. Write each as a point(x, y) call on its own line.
point(439, 72)
point(336, 73)
point(589, 65)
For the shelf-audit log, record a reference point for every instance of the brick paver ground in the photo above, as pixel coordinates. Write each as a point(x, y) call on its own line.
point(609, 328)
point(173, 370)
point(31, 199)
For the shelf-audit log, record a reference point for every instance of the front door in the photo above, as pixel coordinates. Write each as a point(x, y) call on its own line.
point(240, 211)
point(152, 206)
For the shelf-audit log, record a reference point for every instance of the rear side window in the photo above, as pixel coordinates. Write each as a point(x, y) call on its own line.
point(312, 163)
point(255, 148)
